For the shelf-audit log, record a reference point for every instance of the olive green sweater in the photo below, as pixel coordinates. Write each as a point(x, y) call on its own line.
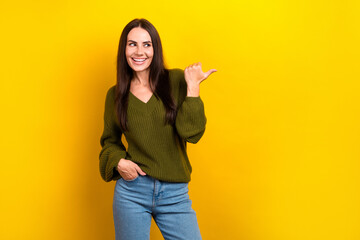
point(158, 149)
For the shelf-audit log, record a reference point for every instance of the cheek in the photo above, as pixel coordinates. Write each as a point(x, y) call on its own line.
point(151, 53)
point(127, 54)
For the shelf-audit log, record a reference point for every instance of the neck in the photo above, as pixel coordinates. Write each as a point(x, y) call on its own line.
point(141, 78)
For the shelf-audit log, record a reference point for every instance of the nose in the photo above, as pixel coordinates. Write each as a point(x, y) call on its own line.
point(139, 50)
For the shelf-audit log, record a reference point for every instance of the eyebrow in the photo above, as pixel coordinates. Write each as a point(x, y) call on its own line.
point(136, 42)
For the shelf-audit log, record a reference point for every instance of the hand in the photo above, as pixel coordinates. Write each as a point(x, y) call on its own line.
point(128, 169)
point(194, 74)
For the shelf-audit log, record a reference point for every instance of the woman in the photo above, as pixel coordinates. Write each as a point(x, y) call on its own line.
point(158, 110)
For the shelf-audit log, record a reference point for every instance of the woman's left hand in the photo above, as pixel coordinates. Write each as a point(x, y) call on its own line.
point(194, 74)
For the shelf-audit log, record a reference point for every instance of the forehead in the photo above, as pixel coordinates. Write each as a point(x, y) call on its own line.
point(138, 34)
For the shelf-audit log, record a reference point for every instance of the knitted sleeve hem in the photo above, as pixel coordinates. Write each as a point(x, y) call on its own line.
point(111, 171)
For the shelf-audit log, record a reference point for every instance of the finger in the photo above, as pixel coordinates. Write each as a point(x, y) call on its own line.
point(131, 174)
point(130, 177)
point(126, 175)
point(210, 72)
point(197, 64)
point(138, 169)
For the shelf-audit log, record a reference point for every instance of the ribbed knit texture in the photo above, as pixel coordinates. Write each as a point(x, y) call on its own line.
point(158, 149)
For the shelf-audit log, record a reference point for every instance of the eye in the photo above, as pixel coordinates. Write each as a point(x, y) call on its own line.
point(148, 44)
point(131, 44)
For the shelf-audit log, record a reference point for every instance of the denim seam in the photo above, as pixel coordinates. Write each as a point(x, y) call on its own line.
point(153, 202)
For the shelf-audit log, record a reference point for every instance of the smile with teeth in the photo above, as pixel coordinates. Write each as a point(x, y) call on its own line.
point(139, 60)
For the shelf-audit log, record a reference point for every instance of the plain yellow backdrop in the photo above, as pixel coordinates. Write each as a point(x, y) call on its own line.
point(280, 157)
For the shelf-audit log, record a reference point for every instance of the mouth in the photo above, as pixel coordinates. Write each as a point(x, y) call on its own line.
point(138, 61)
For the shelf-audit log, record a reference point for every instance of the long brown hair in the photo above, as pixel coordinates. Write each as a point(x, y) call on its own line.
point(158, 77)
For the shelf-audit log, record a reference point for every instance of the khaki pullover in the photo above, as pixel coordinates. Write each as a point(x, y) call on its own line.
point(158, 149)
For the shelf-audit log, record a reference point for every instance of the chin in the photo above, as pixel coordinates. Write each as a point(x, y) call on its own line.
point(140, 69)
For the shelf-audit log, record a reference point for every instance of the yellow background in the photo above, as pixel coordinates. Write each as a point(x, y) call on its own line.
point(280, 157)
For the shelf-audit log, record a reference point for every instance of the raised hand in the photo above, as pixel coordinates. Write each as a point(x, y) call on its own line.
point(194, 76)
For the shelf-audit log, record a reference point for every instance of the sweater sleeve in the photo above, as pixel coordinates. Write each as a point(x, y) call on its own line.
point(112, 147)
point(190, 120)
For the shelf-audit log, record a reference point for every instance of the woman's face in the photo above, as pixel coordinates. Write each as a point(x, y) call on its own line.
point(139, 49)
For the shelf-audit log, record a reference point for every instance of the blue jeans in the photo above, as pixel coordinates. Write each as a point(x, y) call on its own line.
point(136, 201)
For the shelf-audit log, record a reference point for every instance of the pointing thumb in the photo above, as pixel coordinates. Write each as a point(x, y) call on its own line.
point(210, 72)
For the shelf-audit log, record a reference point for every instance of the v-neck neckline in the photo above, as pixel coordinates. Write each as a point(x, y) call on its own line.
point(141, 100)
point(144, 107)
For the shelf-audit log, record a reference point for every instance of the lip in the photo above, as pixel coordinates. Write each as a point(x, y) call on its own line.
point(138, 63)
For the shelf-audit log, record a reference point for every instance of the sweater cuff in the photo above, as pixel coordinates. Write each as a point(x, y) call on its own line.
point(193, 97)
point(193, 106)
point(194, 101)
point(111, 171)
